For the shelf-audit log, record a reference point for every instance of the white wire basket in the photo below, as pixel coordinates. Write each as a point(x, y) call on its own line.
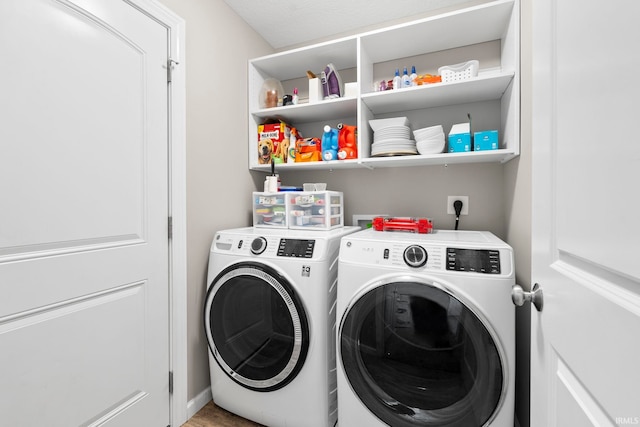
point(458, 72)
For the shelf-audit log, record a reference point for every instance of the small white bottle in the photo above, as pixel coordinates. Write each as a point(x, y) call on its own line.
point(294, 99)
point(271, 184)
point(397, 80)
point(413, 76)
point(406, 81)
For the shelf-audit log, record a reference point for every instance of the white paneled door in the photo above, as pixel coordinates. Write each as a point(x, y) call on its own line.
point(586, 224)
point(84, 324)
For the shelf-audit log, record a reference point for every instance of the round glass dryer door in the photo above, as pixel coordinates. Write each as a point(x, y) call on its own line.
point(256, 326)
point(417, 356)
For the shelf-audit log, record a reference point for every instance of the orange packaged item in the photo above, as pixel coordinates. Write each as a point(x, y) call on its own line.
point(428, 79)
point(308, 150)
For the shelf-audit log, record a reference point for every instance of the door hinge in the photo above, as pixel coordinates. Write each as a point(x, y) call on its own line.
point(170, 227)
point(170, 382)
point(170, 65)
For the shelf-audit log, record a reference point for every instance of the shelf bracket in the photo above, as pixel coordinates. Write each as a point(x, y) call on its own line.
point(367, 166)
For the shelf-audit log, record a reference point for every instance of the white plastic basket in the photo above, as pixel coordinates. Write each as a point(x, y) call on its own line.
point(457, 72)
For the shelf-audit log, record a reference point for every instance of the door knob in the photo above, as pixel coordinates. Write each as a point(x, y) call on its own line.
point(519, 296)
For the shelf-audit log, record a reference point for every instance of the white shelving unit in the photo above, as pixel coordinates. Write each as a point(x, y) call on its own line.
point(492, 97)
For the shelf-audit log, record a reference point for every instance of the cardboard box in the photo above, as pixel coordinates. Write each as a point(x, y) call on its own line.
point(485, 140)
point(273, 142)
point(460, 138)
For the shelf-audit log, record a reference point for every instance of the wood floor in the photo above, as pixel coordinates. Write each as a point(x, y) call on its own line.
point(213, 416)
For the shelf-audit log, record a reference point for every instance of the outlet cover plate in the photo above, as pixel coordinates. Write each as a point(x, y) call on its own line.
point(465, 204)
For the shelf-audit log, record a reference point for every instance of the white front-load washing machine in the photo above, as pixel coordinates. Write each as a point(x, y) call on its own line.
point(426, 331)
point(270, 321)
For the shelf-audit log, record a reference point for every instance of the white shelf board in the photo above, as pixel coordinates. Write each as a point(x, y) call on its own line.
point(326, 110)
point(333, 164)
point(490, 156)
point(464, 27)
point(482, 88)
point(294, 63)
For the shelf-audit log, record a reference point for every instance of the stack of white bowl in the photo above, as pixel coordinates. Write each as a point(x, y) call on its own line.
point(430, 140)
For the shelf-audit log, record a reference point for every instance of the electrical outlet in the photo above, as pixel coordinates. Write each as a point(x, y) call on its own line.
point(465, 204)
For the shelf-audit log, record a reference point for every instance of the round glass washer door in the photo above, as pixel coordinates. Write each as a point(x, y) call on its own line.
point(256, 326)
point(416, 355)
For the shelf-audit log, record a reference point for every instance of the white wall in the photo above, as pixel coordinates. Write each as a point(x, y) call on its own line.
point(219, 184)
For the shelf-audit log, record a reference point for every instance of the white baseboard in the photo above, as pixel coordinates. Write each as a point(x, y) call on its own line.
point(198, 402)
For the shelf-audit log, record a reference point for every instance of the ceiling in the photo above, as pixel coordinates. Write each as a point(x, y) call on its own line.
point(284, 23)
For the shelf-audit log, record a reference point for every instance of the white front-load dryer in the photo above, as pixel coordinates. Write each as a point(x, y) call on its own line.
point(426, 331)
point(270, 322)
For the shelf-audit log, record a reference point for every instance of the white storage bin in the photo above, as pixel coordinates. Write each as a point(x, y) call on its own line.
point(269, 210)
point(458, 72)
point(322, 210)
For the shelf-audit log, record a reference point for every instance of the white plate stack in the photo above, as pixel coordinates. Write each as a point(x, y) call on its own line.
point(392, 137)
point(430, 140)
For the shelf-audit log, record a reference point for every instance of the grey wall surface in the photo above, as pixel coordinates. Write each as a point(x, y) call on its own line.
point(418, 192)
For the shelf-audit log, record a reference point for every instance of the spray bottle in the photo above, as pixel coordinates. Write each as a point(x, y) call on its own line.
point(397, 80)
point(406, 81)
point(413, 76)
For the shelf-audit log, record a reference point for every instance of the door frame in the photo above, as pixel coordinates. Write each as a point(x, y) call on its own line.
point(177, 203)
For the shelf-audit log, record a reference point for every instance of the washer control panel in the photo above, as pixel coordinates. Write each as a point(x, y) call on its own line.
point(475, 260)
point(458, 253)
point(296, 248)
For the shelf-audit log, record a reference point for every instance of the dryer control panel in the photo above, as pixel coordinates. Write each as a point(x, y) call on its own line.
point(474, 260)
point(296, 248)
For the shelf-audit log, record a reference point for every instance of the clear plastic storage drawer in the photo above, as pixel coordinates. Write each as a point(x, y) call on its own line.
point(269, 210)
point(315, 209)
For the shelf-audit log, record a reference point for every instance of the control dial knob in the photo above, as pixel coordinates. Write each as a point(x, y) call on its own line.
point(258, 245)
point(415, 256)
